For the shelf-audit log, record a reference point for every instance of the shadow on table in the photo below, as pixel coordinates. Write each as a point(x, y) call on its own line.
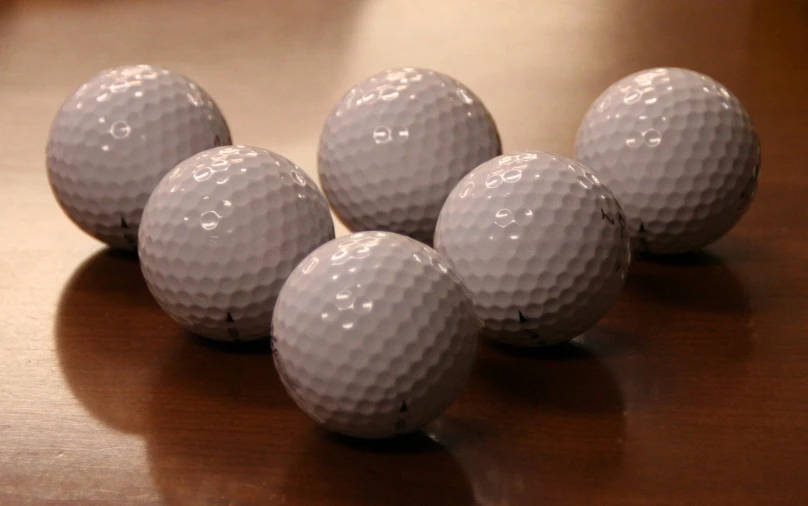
point(222, 428)
point(216, 423)
point(414, 469)
point(700, 281)
point(111, 337)
point(566, 377)
point(693, 314)
point(696, 322)
point(555, 421)
point(678, 339)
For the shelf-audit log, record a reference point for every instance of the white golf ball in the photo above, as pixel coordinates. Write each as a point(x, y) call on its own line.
point(679, 152)
point(117, 136)
point(220, 234)
point(539, 242)
point(395, 146)
point(373, 335)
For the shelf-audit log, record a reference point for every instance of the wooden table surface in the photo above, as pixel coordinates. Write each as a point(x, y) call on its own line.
point(692, 391)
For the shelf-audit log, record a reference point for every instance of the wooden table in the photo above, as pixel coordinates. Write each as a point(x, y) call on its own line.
point(692, 391)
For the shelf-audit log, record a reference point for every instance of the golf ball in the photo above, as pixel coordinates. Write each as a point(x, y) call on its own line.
point(540, 243)
point(395, 146)
point(221, 233)
point(373, 335)
point(114, 139)
point(680, 154)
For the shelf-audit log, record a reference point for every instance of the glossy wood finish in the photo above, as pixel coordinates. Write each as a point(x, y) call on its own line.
point(693, 390)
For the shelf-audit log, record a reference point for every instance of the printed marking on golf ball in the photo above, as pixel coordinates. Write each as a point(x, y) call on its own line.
point(114, 139)
point(679, 152)
point(221, 233)
point(540, 243)
point(373, 336)
point(395, 146)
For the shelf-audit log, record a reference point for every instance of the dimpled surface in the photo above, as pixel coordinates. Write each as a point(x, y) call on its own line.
point(373, 336)
point(680, 154)
point(221, 233)
point(117, 136)
point(539, 242)
point(395, 146)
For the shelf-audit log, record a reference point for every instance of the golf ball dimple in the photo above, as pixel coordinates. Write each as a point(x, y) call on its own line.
point(373, 335)
point(679, 152)
point(539, 242)
point(395, 146)
point(221, 233)
point(114, 139)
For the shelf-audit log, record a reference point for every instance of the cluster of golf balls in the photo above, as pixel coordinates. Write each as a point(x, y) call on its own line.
point(374, 333)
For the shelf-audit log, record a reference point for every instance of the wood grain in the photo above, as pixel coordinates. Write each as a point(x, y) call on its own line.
point(693, 390)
